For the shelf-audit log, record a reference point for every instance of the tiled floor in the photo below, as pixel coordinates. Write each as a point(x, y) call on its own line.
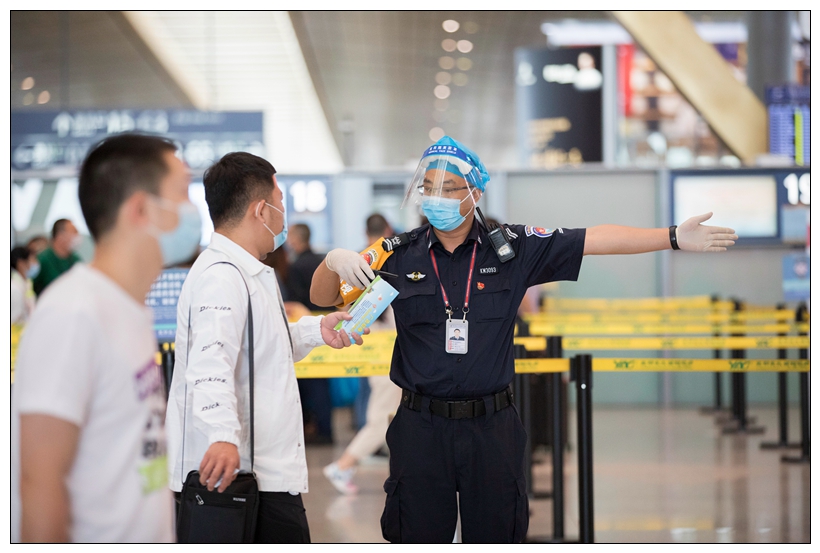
point(659, 476)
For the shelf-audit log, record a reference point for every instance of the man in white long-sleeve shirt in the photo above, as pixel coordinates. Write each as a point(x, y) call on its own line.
point(209, 410)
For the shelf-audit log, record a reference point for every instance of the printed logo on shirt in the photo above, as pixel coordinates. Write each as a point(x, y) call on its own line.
point(212, 344)
point(209, 379)
point(148, 380)
point(211, 406)
point(346, 288)
point(540, 232)
point(214, 308)
point(415, 276)
point(152, 465)
point(488, 270)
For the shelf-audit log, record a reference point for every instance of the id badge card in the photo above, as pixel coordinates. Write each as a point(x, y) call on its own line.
point(457, 336)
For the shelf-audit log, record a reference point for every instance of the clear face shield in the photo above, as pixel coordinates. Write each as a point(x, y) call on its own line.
point(442, 192)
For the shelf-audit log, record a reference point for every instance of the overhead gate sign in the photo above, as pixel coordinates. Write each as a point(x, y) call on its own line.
point(47, 139)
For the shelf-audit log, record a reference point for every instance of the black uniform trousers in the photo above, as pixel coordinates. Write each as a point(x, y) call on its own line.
point(432, 458)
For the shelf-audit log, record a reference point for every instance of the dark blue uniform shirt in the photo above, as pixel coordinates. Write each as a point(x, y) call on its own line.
point(420, 362)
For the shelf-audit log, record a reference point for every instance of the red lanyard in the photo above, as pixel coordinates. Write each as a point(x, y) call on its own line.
point(447, 307)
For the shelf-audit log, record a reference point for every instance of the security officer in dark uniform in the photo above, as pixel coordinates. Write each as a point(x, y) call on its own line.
point(457, 430)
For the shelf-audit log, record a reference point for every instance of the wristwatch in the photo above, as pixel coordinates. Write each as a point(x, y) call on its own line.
point(673, 237)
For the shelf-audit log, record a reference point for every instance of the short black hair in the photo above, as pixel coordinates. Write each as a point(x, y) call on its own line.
point(233, 182)
point(34, 239)
point(377, 225)
point(20, 253)
point(58, 227)
point(113, 170)
point(302, 231)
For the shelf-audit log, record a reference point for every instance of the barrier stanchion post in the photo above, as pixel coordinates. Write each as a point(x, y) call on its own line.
point(732, 416)
point(521, 395)
point(526, 413)
point(555, 350)
point(742, 421)
point(805, 436)
point(167, 367)
point(718, 406)
point(583, 387)
point(546, 353)
point(782, 405)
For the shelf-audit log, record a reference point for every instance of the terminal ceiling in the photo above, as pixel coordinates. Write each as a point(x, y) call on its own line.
point(352, 89)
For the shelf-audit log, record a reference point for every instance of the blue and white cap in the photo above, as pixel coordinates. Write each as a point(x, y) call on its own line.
point(445, 156)
point(465, 162)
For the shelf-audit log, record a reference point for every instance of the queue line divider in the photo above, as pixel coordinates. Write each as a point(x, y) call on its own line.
point(599, 364)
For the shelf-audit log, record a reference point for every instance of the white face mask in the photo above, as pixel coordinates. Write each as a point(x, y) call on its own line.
point(278, 239)
point(180, 243)
point(75, 243)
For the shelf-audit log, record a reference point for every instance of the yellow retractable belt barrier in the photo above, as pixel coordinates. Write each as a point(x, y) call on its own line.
point(16, 334)
point(636, 304)
point(729, 342)
point(334, 370)
point(699, 365)
point(564, 329)
point(685, 317)
point(379, 346)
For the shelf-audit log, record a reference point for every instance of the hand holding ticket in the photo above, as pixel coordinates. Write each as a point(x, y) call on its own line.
point(372, 303)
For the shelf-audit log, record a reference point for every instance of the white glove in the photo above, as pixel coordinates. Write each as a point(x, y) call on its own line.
point(350, 266)
point(694, 237)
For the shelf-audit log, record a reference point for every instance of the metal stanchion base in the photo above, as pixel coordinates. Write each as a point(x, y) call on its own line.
point(729, 419)
point(780, 445)
point(796, 460)
point(747, 430)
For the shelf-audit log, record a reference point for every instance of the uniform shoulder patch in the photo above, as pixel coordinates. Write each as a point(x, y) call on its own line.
point(540, 232)
point(512, 235)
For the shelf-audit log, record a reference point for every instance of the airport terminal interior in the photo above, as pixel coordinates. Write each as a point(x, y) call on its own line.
point(665, 395)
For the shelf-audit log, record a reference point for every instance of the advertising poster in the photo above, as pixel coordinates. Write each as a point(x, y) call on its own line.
point(558, 96)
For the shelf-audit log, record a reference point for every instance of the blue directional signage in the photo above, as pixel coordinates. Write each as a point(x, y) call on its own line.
point(46, 139)
point(162, 299)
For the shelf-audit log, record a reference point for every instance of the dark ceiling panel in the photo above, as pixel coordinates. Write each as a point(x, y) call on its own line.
point(96, 54)
point(378, 72)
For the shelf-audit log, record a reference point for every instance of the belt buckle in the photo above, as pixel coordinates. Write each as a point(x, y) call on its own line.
point(461, 409)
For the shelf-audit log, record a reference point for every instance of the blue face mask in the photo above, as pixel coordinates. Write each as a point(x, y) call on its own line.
point(33, 270)
point(278, 239)
point(443, 213)
point(180, 244)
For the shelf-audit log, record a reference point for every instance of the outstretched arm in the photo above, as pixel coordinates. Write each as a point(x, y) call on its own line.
point(691, 236)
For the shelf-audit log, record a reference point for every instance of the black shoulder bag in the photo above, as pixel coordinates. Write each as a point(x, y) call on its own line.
point(230, 516)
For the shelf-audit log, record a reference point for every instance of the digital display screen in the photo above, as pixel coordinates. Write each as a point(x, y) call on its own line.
point(196, 193)
point(746, 203)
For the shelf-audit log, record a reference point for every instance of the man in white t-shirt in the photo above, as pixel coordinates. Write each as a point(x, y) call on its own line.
point(88, 453)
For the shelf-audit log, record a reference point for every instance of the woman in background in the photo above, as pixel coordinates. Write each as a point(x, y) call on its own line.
point(24, 267)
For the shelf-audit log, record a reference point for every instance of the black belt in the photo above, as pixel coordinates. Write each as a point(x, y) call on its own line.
point(465, 409)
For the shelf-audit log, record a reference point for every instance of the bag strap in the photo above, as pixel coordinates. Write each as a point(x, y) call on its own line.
point(250, 365)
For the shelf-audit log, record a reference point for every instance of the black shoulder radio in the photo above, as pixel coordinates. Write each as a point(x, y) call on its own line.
point(498, 239)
